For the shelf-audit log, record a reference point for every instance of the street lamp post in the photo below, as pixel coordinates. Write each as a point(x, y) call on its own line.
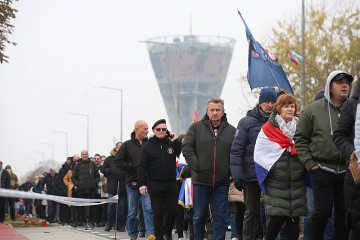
point(52, 152)
point(87, 127)
point(66, 138)
point(34, 159)
point(42, 153)
point(121, 106)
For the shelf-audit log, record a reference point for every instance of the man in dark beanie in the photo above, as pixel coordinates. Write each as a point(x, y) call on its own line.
point(157, 176)
point(242, 160)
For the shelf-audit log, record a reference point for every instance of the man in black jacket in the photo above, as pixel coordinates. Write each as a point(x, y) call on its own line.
point(48, 185)
point(127, 160)
point(61, 190)
point(115, 184)
point(157, 176)
point(4, 183)
point(85, 178)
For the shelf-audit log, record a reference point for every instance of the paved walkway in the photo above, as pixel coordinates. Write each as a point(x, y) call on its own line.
point(58, 232)
point(8, 232)
point(55, 232)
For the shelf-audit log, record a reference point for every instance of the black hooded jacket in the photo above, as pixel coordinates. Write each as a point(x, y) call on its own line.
point(128, 156)
point(60, 187)
point(344, 141)
point(5, 179)
point(114, 175)
point(157, 161)
point(345, 127)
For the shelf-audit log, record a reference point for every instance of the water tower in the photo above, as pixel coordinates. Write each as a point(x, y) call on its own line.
point(189, 69)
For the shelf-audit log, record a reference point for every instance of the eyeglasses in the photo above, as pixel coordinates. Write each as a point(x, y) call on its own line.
point(161, 129)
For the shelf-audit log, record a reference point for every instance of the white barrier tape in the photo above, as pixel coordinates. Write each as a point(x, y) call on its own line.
point(65, 200)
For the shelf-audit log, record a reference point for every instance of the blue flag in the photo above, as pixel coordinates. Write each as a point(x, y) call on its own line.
point(264, 69)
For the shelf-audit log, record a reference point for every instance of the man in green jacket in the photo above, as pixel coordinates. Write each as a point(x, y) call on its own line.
point(206, 149)
point(315, 148)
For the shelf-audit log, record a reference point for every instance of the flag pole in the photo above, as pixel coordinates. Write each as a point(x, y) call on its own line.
point(302, 84)
point(260, 51)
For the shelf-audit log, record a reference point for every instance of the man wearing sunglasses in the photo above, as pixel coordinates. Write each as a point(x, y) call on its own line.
point(206, 149)
point(157, 175)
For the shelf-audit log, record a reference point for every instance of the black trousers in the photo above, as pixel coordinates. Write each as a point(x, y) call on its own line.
point(64, 213)
point(328, 189)
point(11, 202)
point(2, 209)
point(164, 200)
point(90, 209)
point(275, 224)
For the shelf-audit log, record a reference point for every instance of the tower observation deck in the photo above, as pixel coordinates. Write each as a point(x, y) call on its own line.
point(189, 70)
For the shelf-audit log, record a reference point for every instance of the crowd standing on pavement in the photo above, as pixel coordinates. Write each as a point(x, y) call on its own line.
point(281, 174)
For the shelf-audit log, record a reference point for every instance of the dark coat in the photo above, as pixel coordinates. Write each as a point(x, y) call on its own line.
point(242, 150)
point(114, 175)
point(207, 155)
point(128, 156)
point(157, 161)
point(85, 176)
point(344, 140)
point(5, 179)
point(50, 184)
point(26, 186)
point(60, 187)
point(285, 185)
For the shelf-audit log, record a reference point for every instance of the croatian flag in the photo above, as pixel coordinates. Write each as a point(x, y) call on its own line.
point(294, 57)
point(185, 198)
point(270, 145)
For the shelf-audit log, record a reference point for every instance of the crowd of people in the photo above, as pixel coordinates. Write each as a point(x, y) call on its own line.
point(281, 174)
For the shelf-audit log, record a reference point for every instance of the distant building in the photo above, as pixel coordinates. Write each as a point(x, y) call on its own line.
point(189, 69)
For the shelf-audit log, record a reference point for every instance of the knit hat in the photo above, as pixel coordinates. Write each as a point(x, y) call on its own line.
point(267, 94)
point(159, 122)
point(7, 167)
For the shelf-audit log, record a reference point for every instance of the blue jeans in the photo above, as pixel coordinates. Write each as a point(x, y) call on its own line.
point(231, 209)
point(329, 230)
point(111, 209)
point(133, 196)
point(218, 197)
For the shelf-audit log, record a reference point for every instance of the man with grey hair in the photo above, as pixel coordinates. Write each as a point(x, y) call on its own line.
point(206, 149)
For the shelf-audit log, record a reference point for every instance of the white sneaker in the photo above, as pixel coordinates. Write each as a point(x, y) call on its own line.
point(186, 235)
point(234, 238)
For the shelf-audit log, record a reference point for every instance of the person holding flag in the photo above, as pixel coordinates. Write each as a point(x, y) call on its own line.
point(280, 173)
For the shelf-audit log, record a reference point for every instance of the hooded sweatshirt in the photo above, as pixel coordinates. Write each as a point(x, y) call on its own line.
point(314, 133)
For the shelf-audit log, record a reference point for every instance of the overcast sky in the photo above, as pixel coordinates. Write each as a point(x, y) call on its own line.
point(68, 47)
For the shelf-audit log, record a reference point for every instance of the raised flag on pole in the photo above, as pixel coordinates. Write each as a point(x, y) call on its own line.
point(294, 57)
point(264, 70)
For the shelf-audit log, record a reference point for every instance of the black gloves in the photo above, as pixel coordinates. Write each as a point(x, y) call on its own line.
point(239, 185)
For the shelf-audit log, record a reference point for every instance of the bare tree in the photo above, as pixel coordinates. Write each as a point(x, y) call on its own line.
point(6, 28)
point(332, 42)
